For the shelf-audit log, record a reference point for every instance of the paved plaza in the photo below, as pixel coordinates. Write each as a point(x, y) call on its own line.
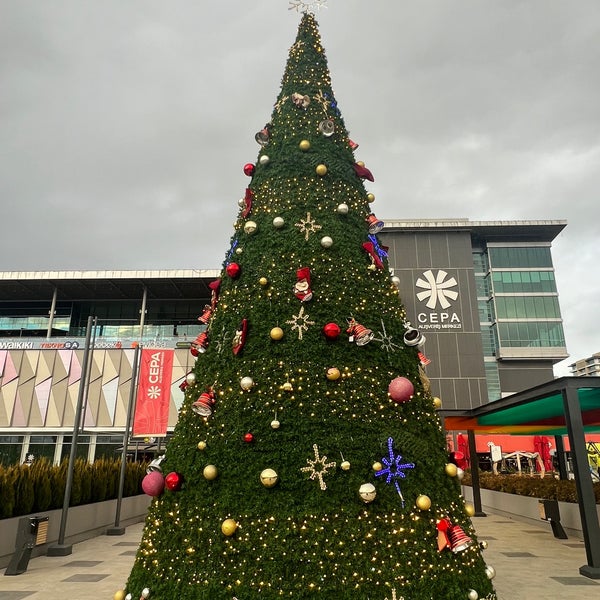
point(531, 564)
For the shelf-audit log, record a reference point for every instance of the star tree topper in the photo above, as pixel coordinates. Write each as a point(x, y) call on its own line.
point(318, 467)
point(300, 6)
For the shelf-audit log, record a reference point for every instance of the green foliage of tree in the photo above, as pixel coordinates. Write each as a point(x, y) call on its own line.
point(25, 496)
point(310, 536)
point(42, 484)
point(7, 492)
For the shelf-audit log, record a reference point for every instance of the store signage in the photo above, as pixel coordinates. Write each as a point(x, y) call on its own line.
point(438, 295)
point(151, 416)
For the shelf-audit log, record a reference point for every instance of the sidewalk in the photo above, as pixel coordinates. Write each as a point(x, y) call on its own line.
point(530, 564)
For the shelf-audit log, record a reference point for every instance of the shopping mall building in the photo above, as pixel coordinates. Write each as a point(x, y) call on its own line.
point(483, 294)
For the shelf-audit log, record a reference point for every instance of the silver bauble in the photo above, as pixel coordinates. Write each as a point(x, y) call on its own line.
point(342, 208)
point(278, 222)
point(326, 242)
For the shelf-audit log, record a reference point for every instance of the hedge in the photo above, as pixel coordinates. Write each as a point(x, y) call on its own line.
point(548, 487)
point(41, 486)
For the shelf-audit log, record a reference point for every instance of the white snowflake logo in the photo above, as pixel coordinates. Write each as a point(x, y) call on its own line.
point(437, 289)
point(154, 392)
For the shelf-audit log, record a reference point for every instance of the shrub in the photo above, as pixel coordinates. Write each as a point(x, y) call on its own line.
point(41, 486)
point(549, 488)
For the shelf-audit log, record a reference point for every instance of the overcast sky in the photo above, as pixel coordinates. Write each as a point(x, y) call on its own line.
point(124, 124)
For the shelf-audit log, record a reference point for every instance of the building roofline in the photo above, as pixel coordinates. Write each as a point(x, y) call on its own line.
point(98, 274)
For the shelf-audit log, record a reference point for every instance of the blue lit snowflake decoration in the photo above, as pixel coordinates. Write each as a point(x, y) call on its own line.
point(394, 468)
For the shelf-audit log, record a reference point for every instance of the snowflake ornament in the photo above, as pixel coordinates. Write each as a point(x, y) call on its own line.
point(318, 467)
point(386, 340)
point(394, 468)
point(307, 226)
point(300, 322)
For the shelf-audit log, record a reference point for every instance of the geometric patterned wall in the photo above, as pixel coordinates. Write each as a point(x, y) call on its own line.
point(39, 388)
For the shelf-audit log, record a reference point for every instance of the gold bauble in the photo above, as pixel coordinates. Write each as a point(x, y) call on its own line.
point(451, 469)
point(345, 465)
point(275, 424)
point(437, 403)
point(333, 374)
point(268, 478)
point(321, 170)
point(367, 492)
point(250, 227)
point(304, 145)
point(377, 466)
point(469, 509)
point(287, 387)
point(210, 472)
point(229, 526)
point(246, 383)
point(120, 595)
point(276, 333)
point(263, 281)
point(360, 163)
point(423, 502)
point(202, 445)
point(371, 197)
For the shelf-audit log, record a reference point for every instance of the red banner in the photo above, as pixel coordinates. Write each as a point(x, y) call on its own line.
point(151, 416)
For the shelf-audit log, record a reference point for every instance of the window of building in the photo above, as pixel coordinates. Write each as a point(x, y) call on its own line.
point(10, 449)
point(506, 282)
point(531, 334)
point(493, 380)
point(108, 446)
point(522, 256)
point(83, 444)
point(527, 307)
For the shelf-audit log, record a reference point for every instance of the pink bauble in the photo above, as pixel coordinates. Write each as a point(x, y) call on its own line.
point(153, 484)
point(401, 389)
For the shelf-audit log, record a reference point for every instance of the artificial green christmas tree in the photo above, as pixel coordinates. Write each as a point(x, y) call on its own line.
point(308, 461)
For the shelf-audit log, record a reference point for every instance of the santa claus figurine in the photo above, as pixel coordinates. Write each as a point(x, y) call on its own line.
point(302, 289)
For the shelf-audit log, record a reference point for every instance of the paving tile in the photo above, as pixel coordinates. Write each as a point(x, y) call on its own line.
point(576, 581)
point(126, 544)
point(86, 577)
point(14, 595)
point(126, 553)
point(519, 554)
point(82, 563)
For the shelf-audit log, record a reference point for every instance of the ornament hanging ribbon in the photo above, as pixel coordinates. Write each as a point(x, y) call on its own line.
point(376, 252)
point(232, 250)
point(248, 198)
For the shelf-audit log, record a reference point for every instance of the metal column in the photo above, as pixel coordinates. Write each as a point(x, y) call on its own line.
point(583, 481)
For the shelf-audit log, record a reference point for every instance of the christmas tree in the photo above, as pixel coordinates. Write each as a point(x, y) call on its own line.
point(308, 460)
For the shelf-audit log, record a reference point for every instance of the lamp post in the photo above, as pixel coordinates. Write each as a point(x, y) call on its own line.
point(117, 529)
point(60, 548)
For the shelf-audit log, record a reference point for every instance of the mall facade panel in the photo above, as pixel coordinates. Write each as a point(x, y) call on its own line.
point(483, 294)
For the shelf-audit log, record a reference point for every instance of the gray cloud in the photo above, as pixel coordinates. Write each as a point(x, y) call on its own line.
point(125, 124)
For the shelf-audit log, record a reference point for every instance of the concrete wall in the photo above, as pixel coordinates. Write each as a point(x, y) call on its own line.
point(83, 522)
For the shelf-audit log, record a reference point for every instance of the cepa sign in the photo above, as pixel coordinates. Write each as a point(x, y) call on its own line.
point(437, 296)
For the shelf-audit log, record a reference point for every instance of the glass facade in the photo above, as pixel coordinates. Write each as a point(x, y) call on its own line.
point(513, 257)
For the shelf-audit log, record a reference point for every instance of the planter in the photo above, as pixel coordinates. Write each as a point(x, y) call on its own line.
point(83, 522)
point(527, 509)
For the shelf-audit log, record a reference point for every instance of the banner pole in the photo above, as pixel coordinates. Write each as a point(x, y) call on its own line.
point(117, 529)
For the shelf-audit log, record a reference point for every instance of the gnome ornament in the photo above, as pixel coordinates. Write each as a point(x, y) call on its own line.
point(302, 289)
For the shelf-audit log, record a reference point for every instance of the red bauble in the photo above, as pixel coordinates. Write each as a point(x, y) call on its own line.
point(249, 169)
point(174, 481)
point(401, 389)
point(331, 331)
point(153, 484)
point(248, 438)
point(233, 270)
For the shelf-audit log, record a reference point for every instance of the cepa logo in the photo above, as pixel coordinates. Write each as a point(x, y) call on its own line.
point(437, 289)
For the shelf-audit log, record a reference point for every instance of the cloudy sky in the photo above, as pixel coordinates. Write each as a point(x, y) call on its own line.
point(124, 124)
